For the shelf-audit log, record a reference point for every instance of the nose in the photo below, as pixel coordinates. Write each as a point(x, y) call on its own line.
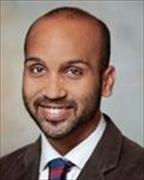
point(54, 88)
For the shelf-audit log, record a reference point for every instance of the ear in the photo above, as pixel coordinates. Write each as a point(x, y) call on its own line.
point(108, 81)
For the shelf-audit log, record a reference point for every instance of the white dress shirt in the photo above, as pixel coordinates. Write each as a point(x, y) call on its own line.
point(79, 155)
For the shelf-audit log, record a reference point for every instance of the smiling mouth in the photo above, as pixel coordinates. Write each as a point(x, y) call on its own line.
point(55, 113)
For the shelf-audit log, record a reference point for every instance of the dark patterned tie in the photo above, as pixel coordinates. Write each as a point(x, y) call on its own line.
point(58, 169)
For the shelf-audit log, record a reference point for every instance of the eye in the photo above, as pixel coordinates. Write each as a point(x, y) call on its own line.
point(74, 72)
point(37, 69)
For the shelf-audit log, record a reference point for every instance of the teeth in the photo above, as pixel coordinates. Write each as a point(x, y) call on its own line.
point(55, 111)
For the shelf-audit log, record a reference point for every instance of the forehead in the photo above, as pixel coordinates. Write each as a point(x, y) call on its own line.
point(65, 30)
point(66, 22)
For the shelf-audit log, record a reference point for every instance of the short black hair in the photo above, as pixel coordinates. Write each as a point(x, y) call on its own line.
point(77, 13)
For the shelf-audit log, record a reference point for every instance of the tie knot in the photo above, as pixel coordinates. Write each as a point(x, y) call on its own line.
point(58, 169)
point(59, 162)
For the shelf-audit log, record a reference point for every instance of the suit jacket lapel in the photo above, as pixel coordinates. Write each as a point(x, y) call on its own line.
point(31, 161)
point(105, 155)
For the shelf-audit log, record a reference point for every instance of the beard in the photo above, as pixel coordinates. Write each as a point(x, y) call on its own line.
point(83, 111)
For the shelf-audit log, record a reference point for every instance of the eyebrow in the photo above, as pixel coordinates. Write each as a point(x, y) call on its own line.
point(32, 59)
point(76, 61)
point(68, 63)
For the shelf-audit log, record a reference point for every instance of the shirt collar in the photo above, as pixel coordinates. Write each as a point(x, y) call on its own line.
point(79, 155)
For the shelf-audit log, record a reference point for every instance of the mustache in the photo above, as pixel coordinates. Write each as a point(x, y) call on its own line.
point(59, 102)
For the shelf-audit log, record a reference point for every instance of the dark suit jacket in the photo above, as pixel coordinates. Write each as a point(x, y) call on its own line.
point(115, 158)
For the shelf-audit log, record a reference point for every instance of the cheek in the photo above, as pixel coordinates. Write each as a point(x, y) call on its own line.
point(84, 89)
point(30, 87)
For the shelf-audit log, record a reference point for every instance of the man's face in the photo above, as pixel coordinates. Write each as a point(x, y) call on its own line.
point(62, 84)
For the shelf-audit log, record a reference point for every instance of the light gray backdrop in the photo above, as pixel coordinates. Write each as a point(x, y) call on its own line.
point(125, 19)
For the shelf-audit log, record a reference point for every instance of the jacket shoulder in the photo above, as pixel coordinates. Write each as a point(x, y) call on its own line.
point(16, 155)
point(131, 161)
point(12, 165)
point(133, 153)
point(131, 146)
point(124, 156)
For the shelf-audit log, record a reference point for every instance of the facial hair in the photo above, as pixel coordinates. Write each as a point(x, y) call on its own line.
point(90, 105)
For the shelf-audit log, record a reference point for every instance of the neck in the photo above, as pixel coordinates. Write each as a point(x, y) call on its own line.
point(64, 145)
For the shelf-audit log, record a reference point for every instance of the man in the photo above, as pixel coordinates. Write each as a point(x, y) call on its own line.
point(66, 72)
